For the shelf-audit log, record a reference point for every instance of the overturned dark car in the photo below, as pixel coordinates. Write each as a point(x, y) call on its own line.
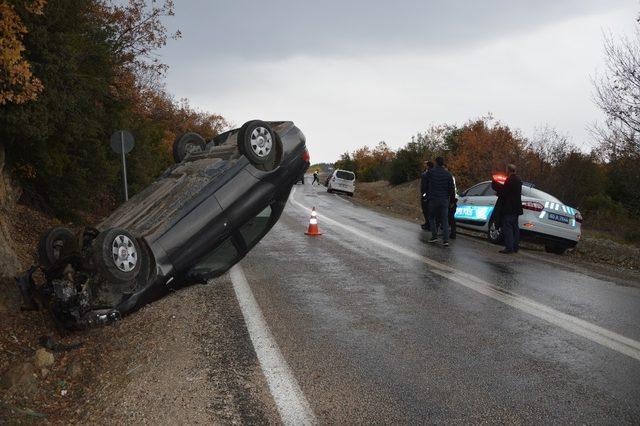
point(193, 223)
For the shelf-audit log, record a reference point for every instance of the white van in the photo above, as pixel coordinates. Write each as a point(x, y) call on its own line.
point(342, 181)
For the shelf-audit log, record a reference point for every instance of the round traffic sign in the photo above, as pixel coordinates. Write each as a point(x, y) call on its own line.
point(122, 141)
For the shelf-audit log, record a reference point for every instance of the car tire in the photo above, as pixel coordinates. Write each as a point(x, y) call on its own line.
point(116, 255)
point(258, 143)
point(55, 244)
point(329, 190)
point(554, 248)
point(494, 233)
point(186, 143)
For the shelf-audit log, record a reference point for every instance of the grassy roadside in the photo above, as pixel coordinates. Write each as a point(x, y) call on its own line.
point(403, 201)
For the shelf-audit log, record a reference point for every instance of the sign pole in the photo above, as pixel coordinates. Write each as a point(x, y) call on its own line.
point(124, 168)
point(121, 143)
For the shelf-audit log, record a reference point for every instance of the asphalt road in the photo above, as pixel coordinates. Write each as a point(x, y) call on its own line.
point(378, 326)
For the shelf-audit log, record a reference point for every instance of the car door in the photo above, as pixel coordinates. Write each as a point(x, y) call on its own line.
point(476, 206)
point(218, 260)
point(256, 228)
point(234, 247)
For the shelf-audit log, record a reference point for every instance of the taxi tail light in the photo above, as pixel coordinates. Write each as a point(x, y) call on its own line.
point(499, 178)
point(578, 217)
point(305, 156)
point(532, 205)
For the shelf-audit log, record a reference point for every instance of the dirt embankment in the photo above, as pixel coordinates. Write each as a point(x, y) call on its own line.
point(403, 201)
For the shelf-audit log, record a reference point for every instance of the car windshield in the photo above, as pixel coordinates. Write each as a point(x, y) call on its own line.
point(341, 174)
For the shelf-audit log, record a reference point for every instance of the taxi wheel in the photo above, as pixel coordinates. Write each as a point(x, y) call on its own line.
point(494, 234)
point(554, 248)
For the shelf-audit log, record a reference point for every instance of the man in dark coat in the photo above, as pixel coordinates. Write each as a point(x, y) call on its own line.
point(509, 208)
point(424, 190)
point(441, 191)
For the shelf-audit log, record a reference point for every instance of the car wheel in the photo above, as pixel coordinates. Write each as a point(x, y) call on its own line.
point(184, 144)
point(494, 233)
point(55, 244)
point(329, 190)
point(116, 255)
point(554, 248)
point(257, 142)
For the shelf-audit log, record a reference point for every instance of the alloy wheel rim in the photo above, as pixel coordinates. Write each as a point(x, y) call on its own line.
point(261, 141)
point(124, 253)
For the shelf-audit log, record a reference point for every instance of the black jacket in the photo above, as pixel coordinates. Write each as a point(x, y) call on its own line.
point(440, 183)
point(424, 185)
point(509, 196)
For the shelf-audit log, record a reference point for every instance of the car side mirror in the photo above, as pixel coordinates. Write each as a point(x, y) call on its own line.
point(463, 194)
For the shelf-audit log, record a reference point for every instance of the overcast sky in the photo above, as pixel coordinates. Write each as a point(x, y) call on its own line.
point(352, 73)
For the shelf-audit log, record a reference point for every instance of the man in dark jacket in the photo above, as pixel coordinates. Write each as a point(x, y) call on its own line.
point(424, 190)
point(440, 192)
point(509, 208)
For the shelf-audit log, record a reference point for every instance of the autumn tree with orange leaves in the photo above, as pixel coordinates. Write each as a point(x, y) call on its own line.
point(17, 82)
point(484, 148)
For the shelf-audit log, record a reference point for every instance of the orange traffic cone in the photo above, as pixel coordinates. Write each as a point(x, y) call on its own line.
point(313, 224)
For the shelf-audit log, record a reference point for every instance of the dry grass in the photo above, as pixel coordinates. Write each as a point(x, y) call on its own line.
point(402, 200)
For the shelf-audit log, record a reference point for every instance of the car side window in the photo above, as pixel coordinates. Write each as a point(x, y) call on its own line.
point(489, 191)
point(220, 259)
point(255, 228)
point(477, 190)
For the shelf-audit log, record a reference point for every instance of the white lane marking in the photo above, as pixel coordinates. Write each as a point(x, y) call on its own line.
point(590, 331)
point(293, 407)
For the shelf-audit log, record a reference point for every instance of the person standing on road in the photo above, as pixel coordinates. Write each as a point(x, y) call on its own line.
point(440, 193)
point(453, 205)
point(509, 206)
point(315, 178)
point(424, 190)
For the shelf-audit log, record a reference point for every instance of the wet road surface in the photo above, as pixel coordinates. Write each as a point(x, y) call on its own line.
point(378, 326)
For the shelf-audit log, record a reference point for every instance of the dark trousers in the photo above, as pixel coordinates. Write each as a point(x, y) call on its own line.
point(438, 212)
point(425, 211)
point(511, 232)
point(452, 220)
point(315, 179)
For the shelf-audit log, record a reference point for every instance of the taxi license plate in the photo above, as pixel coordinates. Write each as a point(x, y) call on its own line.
point(558, 218)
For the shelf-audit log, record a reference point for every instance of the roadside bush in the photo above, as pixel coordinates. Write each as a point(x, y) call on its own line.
point(405, 167)
point(633, 234)
point(600, 209)
point(602, 213)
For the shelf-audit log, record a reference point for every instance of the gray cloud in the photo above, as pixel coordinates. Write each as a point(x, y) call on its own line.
point(355, 73)
point(261, 30)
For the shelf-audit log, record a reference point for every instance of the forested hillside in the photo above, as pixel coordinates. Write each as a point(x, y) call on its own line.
point(71, 73)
